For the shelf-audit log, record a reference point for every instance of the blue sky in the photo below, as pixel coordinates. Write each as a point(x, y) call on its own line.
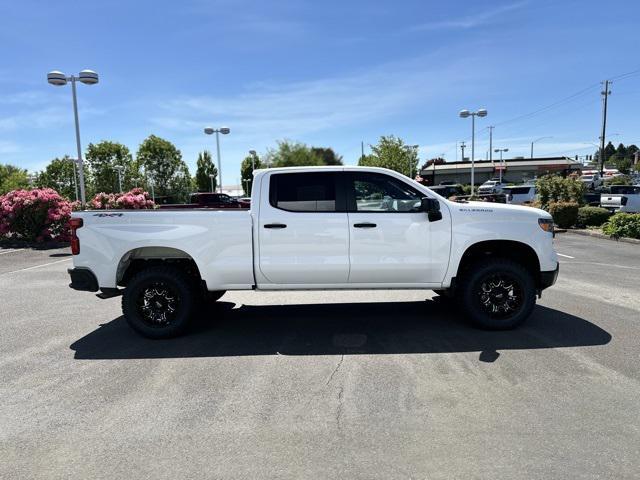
point(325, 73)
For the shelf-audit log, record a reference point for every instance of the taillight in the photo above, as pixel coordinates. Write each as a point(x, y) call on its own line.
point(623, 201)
point(75, 224)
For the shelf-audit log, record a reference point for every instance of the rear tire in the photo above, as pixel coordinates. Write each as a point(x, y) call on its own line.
point(497, 294)
point(159, 302)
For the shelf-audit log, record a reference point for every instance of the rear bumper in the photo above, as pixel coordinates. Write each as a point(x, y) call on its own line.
point(548, 278)
point(83, 279)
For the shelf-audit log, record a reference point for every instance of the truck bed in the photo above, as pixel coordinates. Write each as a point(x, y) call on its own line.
point(217, 239)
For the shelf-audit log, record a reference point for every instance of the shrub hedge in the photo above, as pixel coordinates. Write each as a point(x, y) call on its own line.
point(35, 215)
point(592, 216)
point(623, 225)
point(565, 214)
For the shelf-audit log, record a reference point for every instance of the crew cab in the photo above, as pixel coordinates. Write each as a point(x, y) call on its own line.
point(621, 198)
point(317, 228)
point(491, 186)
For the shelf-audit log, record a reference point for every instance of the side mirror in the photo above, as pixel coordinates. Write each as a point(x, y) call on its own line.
point(432, 207)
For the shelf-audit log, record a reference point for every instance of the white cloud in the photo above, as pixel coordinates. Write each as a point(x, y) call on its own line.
point(470, 21)
point(294, 110)
point(8, 147)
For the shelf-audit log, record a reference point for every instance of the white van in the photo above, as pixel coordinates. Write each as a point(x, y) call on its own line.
point(520, 194)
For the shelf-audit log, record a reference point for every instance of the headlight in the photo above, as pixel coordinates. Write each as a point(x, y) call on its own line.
point(546, 224)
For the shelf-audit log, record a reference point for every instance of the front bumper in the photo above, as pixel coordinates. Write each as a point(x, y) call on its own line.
point(83, 279)
point(548, 278)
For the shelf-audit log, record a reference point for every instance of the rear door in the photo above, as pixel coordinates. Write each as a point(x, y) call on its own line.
point(391, 240)
point(302, 229)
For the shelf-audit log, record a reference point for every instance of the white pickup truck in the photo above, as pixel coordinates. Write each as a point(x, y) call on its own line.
point(317, 228)
point(621, 198)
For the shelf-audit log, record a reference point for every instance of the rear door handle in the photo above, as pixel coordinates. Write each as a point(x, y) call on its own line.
point(275, 225)
point(364, 225)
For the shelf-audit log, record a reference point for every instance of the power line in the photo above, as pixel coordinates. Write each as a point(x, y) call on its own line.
point(624, 76)
point(553, 105)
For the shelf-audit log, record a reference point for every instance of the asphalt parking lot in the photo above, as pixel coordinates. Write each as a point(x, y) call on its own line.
point(371, 384)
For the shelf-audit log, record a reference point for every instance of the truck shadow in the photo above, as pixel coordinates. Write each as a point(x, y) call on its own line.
point(336, 329)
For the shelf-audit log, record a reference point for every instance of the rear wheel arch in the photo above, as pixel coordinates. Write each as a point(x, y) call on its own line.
point(139, 259)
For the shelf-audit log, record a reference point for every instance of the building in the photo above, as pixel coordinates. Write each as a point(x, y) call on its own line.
point(515, 170)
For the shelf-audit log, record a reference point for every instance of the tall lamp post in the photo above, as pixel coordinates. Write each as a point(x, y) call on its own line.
point(409, 148)
point(464, 114)
point(59, 79)
point(501, 150)
point(218, 131)
point(537, 140)
point(119, 169)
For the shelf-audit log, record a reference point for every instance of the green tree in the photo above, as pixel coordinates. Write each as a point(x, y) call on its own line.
point(163, 164)
point(620, 162)
point(205, 168)
point(103, 158)
point(292, 154)
point(60, 175)
point(392, 153)
point(623, 180)
point(327, 155)
point(554, 189)
point(12, 178)
point(246, 172)
point(609, 150)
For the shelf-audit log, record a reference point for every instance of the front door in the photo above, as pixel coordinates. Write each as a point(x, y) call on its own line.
point(391, 239)
point(303, 233)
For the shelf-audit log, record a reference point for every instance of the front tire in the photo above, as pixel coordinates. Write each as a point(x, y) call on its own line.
point(497, 294)
point(159, 301)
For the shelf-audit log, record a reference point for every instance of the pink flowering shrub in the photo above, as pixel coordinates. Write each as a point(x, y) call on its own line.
point(134, 199)
point(40, 214)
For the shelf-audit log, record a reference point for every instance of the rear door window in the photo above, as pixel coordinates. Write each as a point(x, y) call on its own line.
point(305, 192)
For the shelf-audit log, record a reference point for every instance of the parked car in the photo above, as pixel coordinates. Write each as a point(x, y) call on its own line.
point(621, 198)
point(315, 228)
point(591, 180)
point(449, 190)
point(491, 186)
point(520, 194)
point(209, 200)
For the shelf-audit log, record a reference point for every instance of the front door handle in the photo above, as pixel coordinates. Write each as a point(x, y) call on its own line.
point(364, 225)
point(275, 225)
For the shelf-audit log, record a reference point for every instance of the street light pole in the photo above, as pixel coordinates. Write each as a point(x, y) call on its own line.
point(462, 147)
point(408, 148)
point(536, 140)
point(218, 131)
point(501, 150)
point(464, 114)
point(88, 77)
point(119, 169)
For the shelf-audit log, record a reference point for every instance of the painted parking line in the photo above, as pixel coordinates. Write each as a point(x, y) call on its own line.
point(13, 250)
point(565, 256)
point(35, 266)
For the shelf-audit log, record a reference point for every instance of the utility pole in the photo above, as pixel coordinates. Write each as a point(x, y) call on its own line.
point(361, 149)
point(491, 142)
point(462, 145)
point(605, 95)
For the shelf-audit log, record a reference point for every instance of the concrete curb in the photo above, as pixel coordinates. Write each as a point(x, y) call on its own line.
point(589, 233)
